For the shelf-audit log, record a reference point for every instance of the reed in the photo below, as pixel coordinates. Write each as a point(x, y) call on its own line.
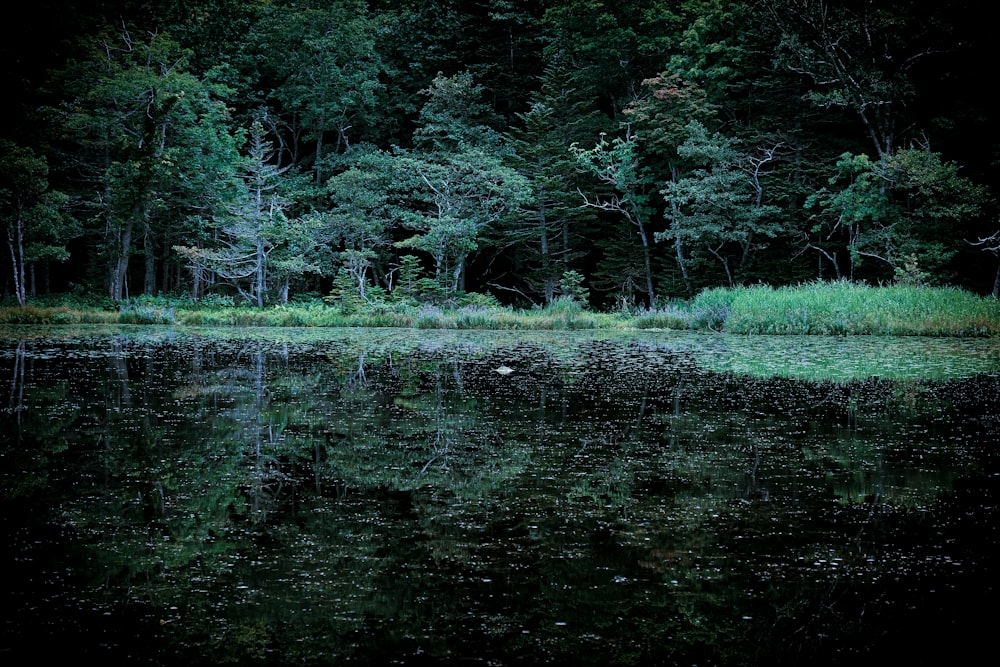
point(843, 308)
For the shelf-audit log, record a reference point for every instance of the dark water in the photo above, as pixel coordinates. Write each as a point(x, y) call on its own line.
point(395, 497)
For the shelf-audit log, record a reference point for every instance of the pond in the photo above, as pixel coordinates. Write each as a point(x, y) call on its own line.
point(327, 497)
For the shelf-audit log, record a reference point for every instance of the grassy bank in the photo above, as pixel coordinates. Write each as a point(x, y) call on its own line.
point(818, 308)
point(851, 309)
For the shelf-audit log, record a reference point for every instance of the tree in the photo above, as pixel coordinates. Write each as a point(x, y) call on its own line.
point(325, 69)
point(991, 244)
point(458, 177)
point(856, 56)
point(254, 227)
point(609, 46)
point(148, 137)
point(458, 197)
point(720, 203)
point(37, 226)
point(616, 164)
point(364, 208)
point(663, 115)
point(543, 241)
point(908, 204)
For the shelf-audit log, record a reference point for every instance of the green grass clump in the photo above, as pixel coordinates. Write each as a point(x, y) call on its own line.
point(672, 316)
point(712, 308)
point(843, 308)
point(138, 313)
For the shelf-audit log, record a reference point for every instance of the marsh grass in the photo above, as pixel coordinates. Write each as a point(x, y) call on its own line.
point(671, 316)
point(31, 314)
point(842, 308)
point(820, 308)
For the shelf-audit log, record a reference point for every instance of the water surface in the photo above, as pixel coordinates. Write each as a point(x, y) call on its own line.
point(326, 497)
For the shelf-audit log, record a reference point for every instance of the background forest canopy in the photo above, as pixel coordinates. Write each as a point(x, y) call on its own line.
point(635, 151)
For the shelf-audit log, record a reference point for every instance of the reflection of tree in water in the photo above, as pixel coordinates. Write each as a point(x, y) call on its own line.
point(609, 504)
point(412, 426)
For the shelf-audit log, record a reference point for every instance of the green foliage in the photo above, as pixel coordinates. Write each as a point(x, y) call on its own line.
point(321, 59)
point(910, 204)
point(478, 300)
point(616, 165)
point(719, 207)
point(428, 290)
point(654, 148)
point(712, 307)
point(344, 294)
point(571, 287)
point(409, 274)
point(151, 143)
point(544, 237)
point(33, 216)
point(910, 274)
point(666, 317)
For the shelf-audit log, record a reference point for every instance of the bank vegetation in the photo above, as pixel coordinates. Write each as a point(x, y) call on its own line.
point(819, 308)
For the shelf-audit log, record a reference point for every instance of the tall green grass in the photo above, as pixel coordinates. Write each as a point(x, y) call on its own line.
point(843, 308)
point(31, 314)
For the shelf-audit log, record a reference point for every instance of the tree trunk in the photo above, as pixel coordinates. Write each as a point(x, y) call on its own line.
point(15, 241)
point(458, 277)
point(682, 262)
point(678, 244)
point(648, 266)
point(149, 247)
point(119, 268)
point(259, 278)
point(196, 283)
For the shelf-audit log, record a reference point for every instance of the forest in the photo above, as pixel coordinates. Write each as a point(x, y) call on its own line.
point(264, 151)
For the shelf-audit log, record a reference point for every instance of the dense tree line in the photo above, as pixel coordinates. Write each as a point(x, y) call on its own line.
point(642, 150)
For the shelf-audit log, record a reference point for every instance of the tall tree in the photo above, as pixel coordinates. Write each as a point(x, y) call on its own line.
point(35, 220)
point(461, 182)
point(458, 196)
point(616, 164)
point(364, 208)
point(138, 119)
point(856, 56)
point(545, 240)
point(255, 227)
point(721, 202)
point(321, 61)
point(662, 117)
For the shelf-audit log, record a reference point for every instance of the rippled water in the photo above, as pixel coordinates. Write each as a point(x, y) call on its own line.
point(303, 497)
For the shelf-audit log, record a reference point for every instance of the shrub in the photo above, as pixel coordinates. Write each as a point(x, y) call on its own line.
point(479, 300)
